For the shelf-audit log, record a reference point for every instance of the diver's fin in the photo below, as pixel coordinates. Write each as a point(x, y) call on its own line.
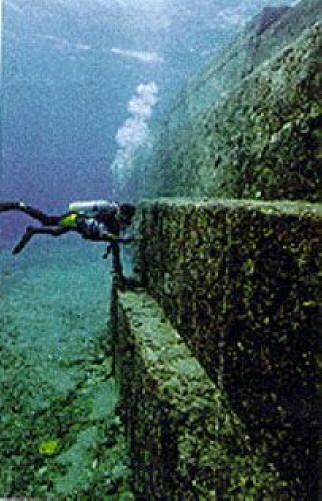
point(4, 206)
point(25, 239)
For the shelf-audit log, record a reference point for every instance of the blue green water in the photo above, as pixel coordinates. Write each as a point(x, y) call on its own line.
point(70, 72)
point(55, 372)
point(84, 84)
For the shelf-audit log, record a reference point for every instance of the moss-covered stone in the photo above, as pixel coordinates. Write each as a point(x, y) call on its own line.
point(239, 279)
point(252, 47)
point(261, 141)
point(185, 440)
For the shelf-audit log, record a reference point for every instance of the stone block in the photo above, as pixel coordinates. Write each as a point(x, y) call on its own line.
point(240, 281)
point(185, 441)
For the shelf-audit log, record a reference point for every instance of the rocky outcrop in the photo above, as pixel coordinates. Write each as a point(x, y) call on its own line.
point(262, 142)
point(237, 60)
point(186, 441)
point(268, 16)
point(219, 354)
point(239, 282)
point(249, 125)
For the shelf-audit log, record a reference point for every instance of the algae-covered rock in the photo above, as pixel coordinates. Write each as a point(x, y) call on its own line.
point(262, 141)
point(185, 440)
point(248, 125)
point(239, 279)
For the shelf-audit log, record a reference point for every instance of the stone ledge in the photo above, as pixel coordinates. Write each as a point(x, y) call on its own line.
point(185, 442)
point(300, 208)
point(240, 281)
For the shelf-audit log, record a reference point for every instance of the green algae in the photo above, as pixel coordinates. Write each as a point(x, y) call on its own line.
point(180, 423)
point(260, 141)
point(55, 378)
point(239, 281)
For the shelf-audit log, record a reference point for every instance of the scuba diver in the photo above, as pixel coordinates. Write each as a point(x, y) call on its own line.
point(100, 221)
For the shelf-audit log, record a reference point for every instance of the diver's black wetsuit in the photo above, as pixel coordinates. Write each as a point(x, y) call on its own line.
point(105, 226)
point(35, 213)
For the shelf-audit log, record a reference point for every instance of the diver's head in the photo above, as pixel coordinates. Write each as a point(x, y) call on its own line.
point(125, 214)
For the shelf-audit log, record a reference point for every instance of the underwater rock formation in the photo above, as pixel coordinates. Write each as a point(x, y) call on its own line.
point(219, 354)
point(249, 125)
point(263, 141)
point(268, 16)
point(186, 442)
point(238, 280)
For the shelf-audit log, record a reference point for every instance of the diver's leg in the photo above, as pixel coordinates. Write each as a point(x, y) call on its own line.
point(24, 240)
point(55, 231)
point(4, 206)
point(35, 213)
point(39, 215)
point(30, 231)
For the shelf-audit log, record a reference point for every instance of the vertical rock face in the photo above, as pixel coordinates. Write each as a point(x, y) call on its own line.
point(262, 142)
point(186, 441)
point(249, 125)
point(268, 16)
point(239, 280)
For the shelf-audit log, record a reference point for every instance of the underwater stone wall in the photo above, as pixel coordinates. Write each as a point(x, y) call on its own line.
point(226, 403)
point(263, 141)
point(240, 282)
point(251, 48)
point(185, 440)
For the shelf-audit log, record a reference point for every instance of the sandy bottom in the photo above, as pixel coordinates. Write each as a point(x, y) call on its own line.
point(59, 432)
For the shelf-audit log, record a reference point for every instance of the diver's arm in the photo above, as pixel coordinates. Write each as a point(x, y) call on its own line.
point(112, 238)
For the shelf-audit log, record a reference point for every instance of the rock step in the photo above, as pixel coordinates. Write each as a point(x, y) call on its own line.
point(240, 281)
point(185, 441)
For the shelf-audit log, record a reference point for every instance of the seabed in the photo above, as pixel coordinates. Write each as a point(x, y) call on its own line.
point(60, 434)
